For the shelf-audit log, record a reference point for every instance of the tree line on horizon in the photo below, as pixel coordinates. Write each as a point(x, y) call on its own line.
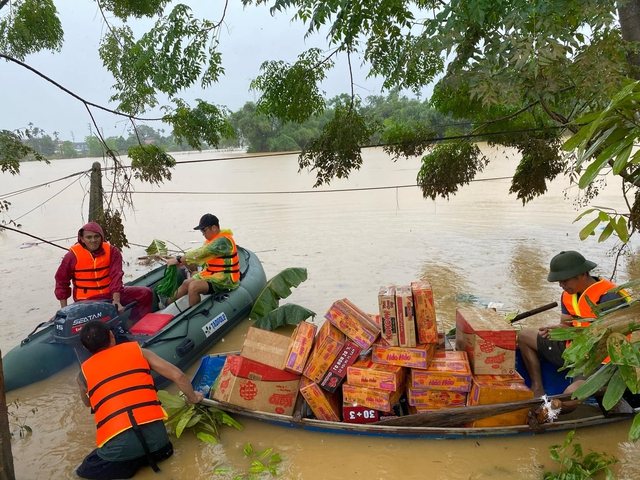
point(256, 131)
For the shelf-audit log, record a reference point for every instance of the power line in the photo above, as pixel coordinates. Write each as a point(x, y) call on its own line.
point(294, 192)
point(27, 189)
point(53, 196)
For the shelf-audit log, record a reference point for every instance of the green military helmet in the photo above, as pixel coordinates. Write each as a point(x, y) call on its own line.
point(568, 264)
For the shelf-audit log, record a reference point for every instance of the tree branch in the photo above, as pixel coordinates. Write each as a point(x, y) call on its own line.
point(74, 95)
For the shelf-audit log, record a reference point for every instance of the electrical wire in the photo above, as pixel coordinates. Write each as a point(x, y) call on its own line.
point(51, 197)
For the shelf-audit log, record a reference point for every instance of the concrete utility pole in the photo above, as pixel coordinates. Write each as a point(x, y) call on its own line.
point(96, 210)
point(6, 459)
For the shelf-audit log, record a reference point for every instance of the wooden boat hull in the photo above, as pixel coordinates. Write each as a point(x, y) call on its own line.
point(585, 416)
point(182, 342)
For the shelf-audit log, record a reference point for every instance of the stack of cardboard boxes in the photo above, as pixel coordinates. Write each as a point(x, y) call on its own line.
point(362, 368)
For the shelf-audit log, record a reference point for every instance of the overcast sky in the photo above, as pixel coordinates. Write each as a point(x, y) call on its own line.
point(250, 36)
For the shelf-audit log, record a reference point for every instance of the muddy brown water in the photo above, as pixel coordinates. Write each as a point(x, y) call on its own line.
point(481, 244)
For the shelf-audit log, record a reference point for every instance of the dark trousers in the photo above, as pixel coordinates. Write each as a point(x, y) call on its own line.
point(142, 295)
point(96, 468)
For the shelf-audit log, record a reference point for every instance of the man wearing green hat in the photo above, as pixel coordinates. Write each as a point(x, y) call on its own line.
point(571, 270)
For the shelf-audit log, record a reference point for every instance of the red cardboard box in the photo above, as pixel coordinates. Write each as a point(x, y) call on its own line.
point(406, 321)
point(426, 324)
point(359, 414)
point(354, 323)
point(365, 373)
point(246, 383)
point(447, 371)
point(300, 347)
point(265, 347)
point(369, 397)
point(416, 357)
point(338, 370)
point(324, 405)
point(329, 343)
point(489, 341)
point(388, 320)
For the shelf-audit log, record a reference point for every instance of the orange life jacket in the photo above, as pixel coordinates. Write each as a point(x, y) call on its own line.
point(91, 274)
point(120, 390)
point(220, 264)
point(578, 306)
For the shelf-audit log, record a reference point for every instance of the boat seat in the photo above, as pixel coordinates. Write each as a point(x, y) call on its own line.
point(151, 323)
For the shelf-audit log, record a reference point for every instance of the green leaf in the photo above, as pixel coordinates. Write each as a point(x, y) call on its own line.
point(586, 212)
point(634, 432)
point(621, 160)
point(184, 419)
point(606, 233)
point(620, 226)
point(156, 247)
point(264, 453)
point(615, 390)
point(277, 288)
point(621, 350)
point(287, 314)
point(229, 421)
point(595, 382)
point(257, 467)
point(171, 401)
point(589, 229)
point(206, 438)
point(275, 458)
point(248, 450)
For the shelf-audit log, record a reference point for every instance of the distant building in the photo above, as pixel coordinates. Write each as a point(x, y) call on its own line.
point(81, 147)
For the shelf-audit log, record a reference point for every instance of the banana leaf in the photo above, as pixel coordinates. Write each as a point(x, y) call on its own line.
point(277, 288)
point(169, 284)
point(157, 247)
point(287, 314)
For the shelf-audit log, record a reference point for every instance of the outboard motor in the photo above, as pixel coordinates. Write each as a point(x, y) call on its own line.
point(69, 321)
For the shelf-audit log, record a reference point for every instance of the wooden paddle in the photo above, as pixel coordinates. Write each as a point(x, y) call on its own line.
point(452, 417)
point(529, 313)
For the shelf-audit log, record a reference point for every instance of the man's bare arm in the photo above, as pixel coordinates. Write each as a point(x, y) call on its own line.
point(83, 392)
point(173, 373)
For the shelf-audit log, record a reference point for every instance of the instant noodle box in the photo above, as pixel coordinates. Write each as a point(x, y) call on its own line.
point(435, 399)
point(338, 369)
point(487, 392)
point(447, 371)
point(406, 321)
point(328, 344)
point(299, 348)
point(353, 322)
point(515, 378)
point(365, 373)
point(250, 384)
point(324, 405)
point(426, 324)
point(412, 357)
point(265, 347)
point(489, 341)
point(370, 397)
point(388, 320)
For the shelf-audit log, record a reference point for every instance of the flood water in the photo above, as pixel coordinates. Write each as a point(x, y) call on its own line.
point(481, 244)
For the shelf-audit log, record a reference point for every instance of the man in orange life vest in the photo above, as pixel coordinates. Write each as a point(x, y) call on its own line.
point(94, 267)
point(219, 255)
point(571, 270)
point(116, 383)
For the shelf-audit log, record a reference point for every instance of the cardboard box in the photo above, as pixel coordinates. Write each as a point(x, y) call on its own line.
point(413, 409)
point(412, 357)
point(328, 344)
point(515, 378)
point(370, 397)
point(366, 373)
point(324, 405)
point(247, 383)
point(265, 347)
point(338, 369)
point(388, 320)
point(426, 325)
point(300, 346)
point(406, 321)
point(447, 371)
point(487, 392)
point(353, 322)
point(489, 341)
point(435, 399)
point(359, 414)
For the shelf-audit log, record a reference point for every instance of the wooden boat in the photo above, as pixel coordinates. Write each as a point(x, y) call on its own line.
point(587, 415)
point(178, 333)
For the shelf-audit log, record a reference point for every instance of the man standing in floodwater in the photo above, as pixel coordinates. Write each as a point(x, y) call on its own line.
point(571, 270)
